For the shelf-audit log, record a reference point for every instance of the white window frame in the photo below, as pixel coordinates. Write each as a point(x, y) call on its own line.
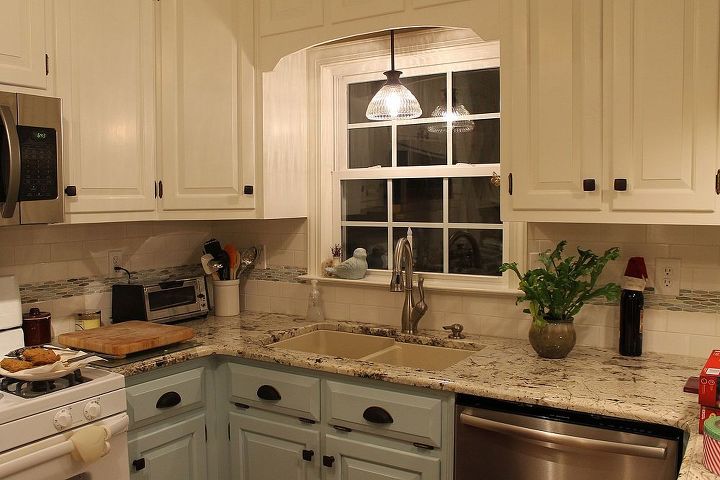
point(331, 68)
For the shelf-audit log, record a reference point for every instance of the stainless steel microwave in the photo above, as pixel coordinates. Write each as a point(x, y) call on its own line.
point(161, 302)
point(30, 159)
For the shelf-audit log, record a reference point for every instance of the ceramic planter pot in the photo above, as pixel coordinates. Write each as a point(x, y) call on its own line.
point(552, 339)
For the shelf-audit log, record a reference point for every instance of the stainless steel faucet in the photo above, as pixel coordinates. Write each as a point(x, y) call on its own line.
point(412, 312)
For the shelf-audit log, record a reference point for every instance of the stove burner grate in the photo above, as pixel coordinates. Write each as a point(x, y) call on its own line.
point(37, 388)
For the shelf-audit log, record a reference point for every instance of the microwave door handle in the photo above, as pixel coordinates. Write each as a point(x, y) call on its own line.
point(12, 189)
point(525, 433)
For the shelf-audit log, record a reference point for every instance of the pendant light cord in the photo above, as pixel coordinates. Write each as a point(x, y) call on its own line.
point(392, 50)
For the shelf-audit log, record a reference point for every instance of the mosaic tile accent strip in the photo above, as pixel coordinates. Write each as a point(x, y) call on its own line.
point(702, 301)
point(278, 274)
point(73, 287)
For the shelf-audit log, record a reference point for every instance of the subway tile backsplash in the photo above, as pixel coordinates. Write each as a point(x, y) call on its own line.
point(688, 324)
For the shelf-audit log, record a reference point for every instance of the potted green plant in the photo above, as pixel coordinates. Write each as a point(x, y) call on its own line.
point(557, 291)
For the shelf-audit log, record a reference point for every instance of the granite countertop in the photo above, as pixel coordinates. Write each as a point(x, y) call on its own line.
point(593, 380)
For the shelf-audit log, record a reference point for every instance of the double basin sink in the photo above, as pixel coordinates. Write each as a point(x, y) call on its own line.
point(375, 349)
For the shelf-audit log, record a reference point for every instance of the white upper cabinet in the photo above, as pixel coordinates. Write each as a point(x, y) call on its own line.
point(552, 101)
point(610, 110)
point(662, 80)
point(106, 77)
point(206, 104)
point(22, 43)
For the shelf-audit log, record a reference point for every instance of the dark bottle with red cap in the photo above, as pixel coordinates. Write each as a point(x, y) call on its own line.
point(632, 303)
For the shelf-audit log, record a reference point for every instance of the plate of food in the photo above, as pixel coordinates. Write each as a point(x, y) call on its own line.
point(39, 363)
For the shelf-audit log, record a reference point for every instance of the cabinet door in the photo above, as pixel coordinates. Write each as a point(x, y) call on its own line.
point(173, 450)
point(263, 449)
point(551, 104)
point(22, 43)
point(354, 460)
point(206, 143)
point(662, 75)
point(106, 76)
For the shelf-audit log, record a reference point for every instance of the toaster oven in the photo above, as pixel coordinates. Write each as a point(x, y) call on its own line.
point(160, 302)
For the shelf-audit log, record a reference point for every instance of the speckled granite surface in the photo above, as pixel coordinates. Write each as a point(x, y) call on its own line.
point(589, 380)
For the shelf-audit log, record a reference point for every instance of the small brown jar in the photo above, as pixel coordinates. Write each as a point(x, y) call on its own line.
point(36, 327)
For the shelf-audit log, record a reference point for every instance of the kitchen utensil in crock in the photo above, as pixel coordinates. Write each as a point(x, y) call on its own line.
point(247, 258)
point(233, 257)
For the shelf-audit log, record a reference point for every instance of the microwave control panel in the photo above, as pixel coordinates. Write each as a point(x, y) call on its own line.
point(38, 163)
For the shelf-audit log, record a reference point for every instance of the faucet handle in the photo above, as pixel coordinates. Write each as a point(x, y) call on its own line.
point(456, 330)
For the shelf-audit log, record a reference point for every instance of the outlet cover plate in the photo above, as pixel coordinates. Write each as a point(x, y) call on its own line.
point(667, 276)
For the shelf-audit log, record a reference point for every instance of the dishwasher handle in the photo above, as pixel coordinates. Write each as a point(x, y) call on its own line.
point(526, 433)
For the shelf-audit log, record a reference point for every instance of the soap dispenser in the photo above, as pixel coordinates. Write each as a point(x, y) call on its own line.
point(314, 311)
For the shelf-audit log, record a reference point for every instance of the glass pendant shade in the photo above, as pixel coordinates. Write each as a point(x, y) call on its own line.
point(456, 111)
point(393, 101)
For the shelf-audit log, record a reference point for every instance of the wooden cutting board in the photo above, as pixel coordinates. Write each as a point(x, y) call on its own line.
point(124, 338)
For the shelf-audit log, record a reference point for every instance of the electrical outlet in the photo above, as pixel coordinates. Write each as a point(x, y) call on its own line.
point(115, 259)
point(667, 276)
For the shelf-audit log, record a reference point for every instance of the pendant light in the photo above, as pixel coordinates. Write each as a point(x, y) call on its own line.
point(393, 100)
point(456, 110)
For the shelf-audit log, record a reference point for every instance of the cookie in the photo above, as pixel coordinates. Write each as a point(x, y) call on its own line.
point(14, 364)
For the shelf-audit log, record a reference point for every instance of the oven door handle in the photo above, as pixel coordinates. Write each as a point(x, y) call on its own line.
point(525, 433)
point(12, 189)
point(57, 451)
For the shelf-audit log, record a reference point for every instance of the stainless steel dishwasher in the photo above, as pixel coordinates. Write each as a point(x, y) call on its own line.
point(496, 440)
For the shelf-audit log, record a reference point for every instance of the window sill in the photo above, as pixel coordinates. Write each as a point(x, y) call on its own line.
point(374, 280)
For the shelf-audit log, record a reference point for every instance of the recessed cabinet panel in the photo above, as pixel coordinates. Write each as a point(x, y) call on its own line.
point(553, 100)
point(22, 43)
point(173, 451)
point(262, 449)
point(201, 100)
point(344, 10)
point(280, 16)
point(663, 72)
point(106, 77)
point(363, 461)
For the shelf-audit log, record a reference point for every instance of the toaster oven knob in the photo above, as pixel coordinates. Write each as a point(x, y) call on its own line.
point(92, 410)
point(63, 419)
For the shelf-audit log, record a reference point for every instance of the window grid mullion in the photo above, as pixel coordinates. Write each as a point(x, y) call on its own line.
point(446, 216)
point(448, 109)
point(391, 248)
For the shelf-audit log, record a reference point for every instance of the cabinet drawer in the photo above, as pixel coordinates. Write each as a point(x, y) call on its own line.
point(392, 414)
point(278, 391)
point(165, 397)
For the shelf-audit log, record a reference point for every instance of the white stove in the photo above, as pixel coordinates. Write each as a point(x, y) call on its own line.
point(71, 428)
point(36, 433)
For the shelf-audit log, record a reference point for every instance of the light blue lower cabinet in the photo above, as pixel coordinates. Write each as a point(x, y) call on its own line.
point(269, 449)
point(352, 460)
point(174, 449)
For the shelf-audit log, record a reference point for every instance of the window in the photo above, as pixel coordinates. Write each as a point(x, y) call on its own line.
point(434, 174)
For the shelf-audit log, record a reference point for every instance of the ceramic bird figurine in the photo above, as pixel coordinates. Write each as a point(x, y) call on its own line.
point(353, 268)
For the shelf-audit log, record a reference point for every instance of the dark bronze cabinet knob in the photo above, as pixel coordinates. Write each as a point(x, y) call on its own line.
point(620, 184)
point(589, 185)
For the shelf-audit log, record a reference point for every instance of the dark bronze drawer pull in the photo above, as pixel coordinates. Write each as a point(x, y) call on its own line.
point(168, 400)
point(267, 392)
point(377, 415)
point(328, 460)
point(340, 428)
point(241, 405)
point(620, 184)
point(307, 455)
point(138, 464)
